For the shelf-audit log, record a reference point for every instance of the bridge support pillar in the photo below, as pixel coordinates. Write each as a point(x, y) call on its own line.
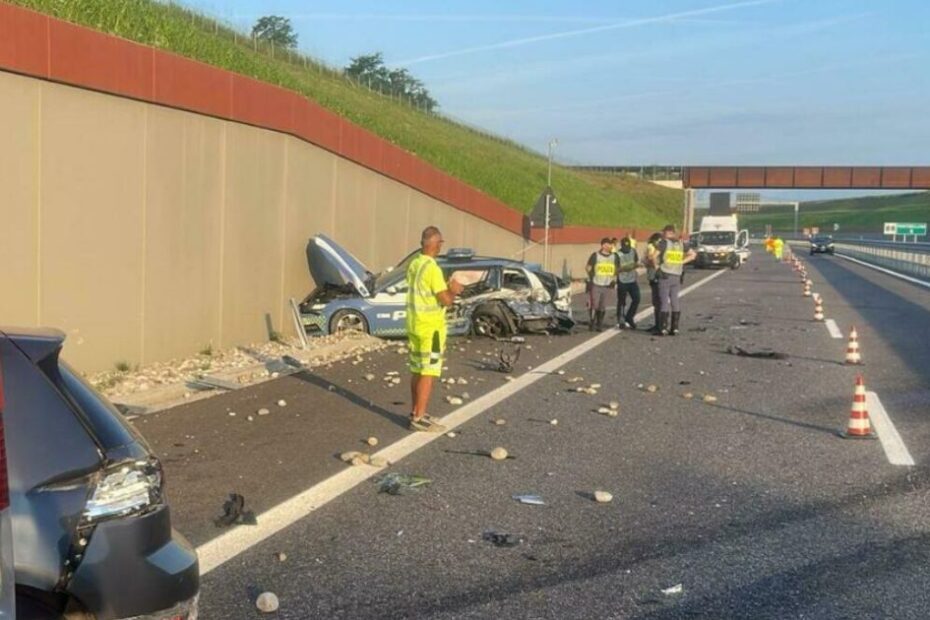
point(688, 224)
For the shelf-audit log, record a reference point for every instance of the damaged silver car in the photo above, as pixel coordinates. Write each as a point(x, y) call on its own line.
point(502, 297)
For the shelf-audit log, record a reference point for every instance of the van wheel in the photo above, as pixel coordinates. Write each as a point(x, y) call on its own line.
point(348, 321)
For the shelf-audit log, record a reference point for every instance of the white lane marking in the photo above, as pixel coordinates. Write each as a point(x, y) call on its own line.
point(895, 449)
point(230, 544)
point(833, 328)
point(895, 274)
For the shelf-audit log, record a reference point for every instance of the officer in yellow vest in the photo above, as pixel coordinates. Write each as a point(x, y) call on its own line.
point(428, 294)
point(672, 259)
point(778, 247)
point(652, 276)
point(602, 270)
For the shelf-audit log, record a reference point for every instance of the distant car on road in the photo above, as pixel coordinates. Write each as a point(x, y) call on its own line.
point(91, 525)
point(502, 296)
point(821, 244)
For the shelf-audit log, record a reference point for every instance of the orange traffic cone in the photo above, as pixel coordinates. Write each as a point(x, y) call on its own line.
point(859, 426)
point(818, 309)
point(852, 349)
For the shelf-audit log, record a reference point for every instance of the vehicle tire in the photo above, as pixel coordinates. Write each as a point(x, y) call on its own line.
point(348, 320)
point(490, 321)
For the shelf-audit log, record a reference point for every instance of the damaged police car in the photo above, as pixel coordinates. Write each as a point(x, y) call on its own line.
point(502, 297)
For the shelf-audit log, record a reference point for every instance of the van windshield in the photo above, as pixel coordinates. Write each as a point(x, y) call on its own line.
point(718, 237)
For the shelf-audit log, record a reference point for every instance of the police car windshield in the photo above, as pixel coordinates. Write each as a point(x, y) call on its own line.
point(394, 275)
point(720, 237)
point(823, 239)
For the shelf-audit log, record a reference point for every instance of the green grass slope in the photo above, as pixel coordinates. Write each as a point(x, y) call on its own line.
point(500, 168)
point(865, 214)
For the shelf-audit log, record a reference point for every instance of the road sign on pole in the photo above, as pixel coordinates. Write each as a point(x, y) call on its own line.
point(918, 229)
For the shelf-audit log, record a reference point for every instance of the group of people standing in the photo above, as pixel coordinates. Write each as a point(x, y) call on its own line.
point(615, 266)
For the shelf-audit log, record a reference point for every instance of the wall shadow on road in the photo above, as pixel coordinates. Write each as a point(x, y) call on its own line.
point(616, 559)
point(832, 583)
point(352, 397)
point(898, 316)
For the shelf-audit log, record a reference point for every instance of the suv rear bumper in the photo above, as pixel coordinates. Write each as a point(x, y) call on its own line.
point(137, 567)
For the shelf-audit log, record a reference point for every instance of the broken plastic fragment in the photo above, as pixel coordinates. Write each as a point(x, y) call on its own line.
point(533, 500)
point(401, 484)
point(676, 589)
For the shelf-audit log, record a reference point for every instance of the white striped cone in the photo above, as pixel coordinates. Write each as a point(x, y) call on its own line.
point(807, 290)
point(809, 282)
point(818, 310)
point(859, 425)
point(852, 349)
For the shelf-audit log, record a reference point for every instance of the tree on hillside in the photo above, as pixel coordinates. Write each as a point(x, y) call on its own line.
point(276, 30)
point(369, 69)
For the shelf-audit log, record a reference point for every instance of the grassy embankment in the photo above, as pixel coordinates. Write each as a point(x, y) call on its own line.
point(865, 214)
point(499, 167)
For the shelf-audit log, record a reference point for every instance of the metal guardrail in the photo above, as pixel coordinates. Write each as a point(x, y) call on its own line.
point(903, 258)
point(907, 258)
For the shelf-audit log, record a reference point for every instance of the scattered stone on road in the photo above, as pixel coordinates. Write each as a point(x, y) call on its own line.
point(372, 441)
point(498, 454)
point(454, 400)
point(348, 456)
point(267, 602)
point(613, 405)
point(282, 403)
point(263, 411)
point(369, 377)
point(500, 421)
point(282, 557)
point(554, 422)
point(710, 398)
point(603, 497)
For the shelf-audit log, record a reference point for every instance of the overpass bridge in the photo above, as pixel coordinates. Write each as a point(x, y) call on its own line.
point(691, 178)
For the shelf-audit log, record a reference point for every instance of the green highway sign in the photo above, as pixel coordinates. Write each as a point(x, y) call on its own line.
point(905, 228)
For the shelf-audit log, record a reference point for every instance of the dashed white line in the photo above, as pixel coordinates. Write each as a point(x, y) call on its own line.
point(230, 544)
point(833, 328)
point(892, 443)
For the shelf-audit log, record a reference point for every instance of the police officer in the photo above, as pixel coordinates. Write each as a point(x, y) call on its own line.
point(628, 261)
point(671, 261)
point(602, 274)
point(652, 276)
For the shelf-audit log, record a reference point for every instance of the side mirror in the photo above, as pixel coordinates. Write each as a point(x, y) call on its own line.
point(391, 290)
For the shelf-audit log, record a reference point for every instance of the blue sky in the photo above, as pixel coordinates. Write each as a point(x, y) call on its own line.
point(666, 81)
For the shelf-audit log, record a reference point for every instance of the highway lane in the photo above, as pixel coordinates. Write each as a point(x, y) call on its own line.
point(893, 320)
point(752, 503)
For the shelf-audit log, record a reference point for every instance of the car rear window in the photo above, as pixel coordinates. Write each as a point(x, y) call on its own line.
point(105, 421)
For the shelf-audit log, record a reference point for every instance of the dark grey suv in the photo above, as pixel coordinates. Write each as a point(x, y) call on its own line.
point(92, 533)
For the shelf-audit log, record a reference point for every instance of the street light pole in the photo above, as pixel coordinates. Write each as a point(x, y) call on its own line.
point(552, 144)
point(796, 205)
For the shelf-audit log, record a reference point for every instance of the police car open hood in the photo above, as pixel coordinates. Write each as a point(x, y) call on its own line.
point(330, 263)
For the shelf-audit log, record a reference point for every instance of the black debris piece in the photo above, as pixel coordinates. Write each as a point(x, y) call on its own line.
point(766, 354)
point(502, 539)
point(234, 513)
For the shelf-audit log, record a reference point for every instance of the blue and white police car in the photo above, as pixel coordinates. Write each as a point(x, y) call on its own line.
point(502, 296)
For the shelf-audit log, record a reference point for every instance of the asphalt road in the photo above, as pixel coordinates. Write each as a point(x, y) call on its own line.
point(747, 507)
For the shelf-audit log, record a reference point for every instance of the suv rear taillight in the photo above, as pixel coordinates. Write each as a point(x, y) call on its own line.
point(125, 489)
point(4, 480)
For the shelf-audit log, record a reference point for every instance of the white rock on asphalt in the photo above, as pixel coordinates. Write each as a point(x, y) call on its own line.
point(395, 380)
point(348, 456)
point(613, 405)
point(282, 403)
point(500, 421)
point(561, 372)
point(282, 557)
point(554, 422)
point(454, 400)
point(232, 414)
point(710, 398)
point(267, 602)
point(462, 381)
point(652, 389)
point(250, 418)
point(687, 395)
point(466, 396)
point(369, 377)
point(603, 497)
point(595, 386)
point(451, 434)
point(498, 454)
point(263, 411)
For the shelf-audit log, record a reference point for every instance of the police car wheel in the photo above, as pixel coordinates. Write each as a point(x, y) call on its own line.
point(489, 323)
point(348, 321)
